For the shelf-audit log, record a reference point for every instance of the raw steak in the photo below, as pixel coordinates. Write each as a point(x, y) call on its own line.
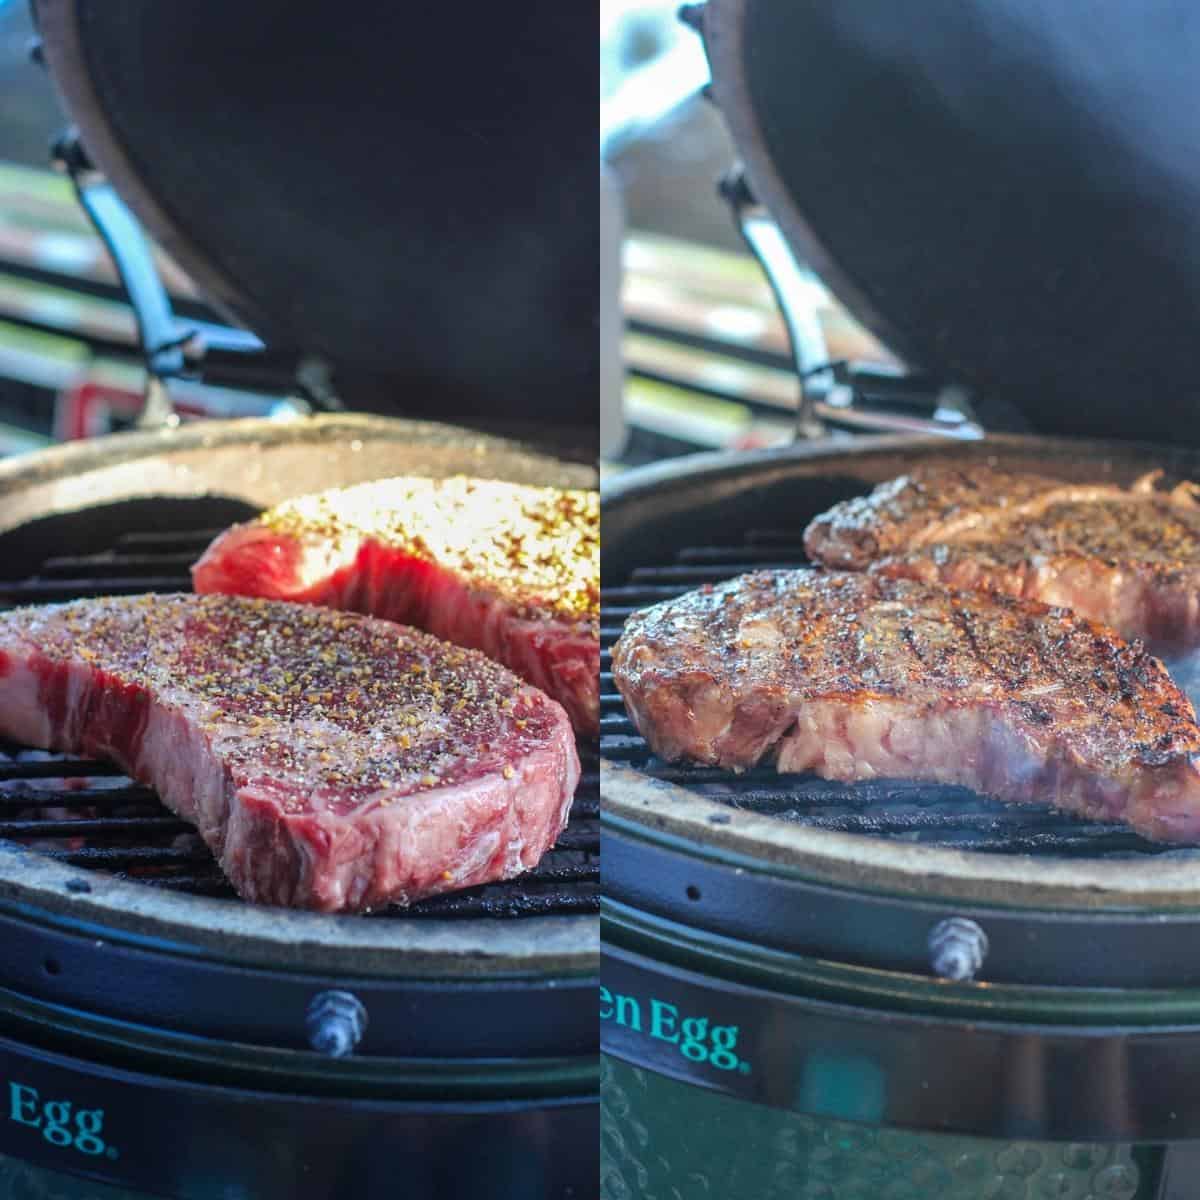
point(858, 676)
point(330, 761)
point(1129, 557)
point(512, 571)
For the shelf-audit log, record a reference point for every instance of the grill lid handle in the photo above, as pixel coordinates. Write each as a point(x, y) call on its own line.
point(233, 357)
point(788, 283)
point(882, 399)
point(162, 340)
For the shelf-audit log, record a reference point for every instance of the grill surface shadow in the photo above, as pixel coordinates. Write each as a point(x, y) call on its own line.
point(88, 815)
point(900, 810)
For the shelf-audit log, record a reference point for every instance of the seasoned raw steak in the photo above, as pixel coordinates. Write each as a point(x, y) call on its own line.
point(329, 760)
point(1127, 557)
point(512, 571)
point(854, 676)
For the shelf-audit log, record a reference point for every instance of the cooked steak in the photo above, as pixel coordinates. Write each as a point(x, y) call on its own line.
point(857, 676)
point(330, 761)
point(1129, 557)
point(512, 571)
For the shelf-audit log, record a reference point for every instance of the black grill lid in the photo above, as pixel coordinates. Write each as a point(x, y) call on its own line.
point(406, 191)
point(1006, 191)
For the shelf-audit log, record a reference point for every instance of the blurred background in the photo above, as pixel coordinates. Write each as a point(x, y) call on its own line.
point(69, 363)
point(704, 358)
point(696, 351)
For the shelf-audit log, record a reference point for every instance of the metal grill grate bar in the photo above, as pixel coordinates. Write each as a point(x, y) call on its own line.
point(117, 797)
point(41, 591)
point(694, 576)
point(630, 599)
point(70, 566)
point(172, 540)
point(499, 905)
point(65, 768)
point(721, 555)
point(581, 835)
point(116, 858)
point(90, 827)
point(764, 540)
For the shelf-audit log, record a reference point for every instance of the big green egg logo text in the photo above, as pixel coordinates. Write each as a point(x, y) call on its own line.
point(58, 1122)
point(696, 1038)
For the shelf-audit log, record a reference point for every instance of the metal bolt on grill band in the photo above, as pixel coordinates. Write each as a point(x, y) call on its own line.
point(335, 1022)
point(957, 948)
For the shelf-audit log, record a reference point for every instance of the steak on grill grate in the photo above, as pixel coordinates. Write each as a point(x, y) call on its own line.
point(330, 761)
point(1127, 557)
point(858, 676)
point(506, 569)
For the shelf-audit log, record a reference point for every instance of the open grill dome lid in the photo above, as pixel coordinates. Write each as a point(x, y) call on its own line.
point(395, 192)
point(1006, 192)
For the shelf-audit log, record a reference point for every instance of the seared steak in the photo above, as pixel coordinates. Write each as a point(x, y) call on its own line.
point(1129, 557)
point(512, 571)
point(858, 676)
point(330, 761)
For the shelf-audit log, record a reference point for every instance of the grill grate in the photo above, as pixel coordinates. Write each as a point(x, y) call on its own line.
point(921, 813)
point(87, 815)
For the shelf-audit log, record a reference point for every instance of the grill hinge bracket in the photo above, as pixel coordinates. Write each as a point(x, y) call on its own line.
point(170, 348)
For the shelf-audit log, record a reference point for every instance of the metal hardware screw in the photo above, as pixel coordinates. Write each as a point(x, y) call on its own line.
point(957, 948)
point(734, 188)
point(67, 152)
point(335, 1022)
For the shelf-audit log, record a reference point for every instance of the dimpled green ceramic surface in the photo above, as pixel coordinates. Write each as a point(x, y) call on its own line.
point(663, 1140)
point(24, 1181)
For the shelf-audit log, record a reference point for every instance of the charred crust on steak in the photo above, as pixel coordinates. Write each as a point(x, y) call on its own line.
point(852, 675)
point(1005, 517)
point(1129, 557)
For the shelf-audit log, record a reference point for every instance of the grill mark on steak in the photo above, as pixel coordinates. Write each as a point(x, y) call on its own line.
point(511, 570)
point(329, 760)
point(1019, 701)
point(962, 619)
point(1042, 648)
point(1128, 557)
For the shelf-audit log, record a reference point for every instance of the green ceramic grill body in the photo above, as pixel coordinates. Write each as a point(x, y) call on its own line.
point(664, 1138)
point(736, 1069)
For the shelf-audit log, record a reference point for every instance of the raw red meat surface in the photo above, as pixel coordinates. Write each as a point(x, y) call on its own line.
point(513, 571)
point(329, 760)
